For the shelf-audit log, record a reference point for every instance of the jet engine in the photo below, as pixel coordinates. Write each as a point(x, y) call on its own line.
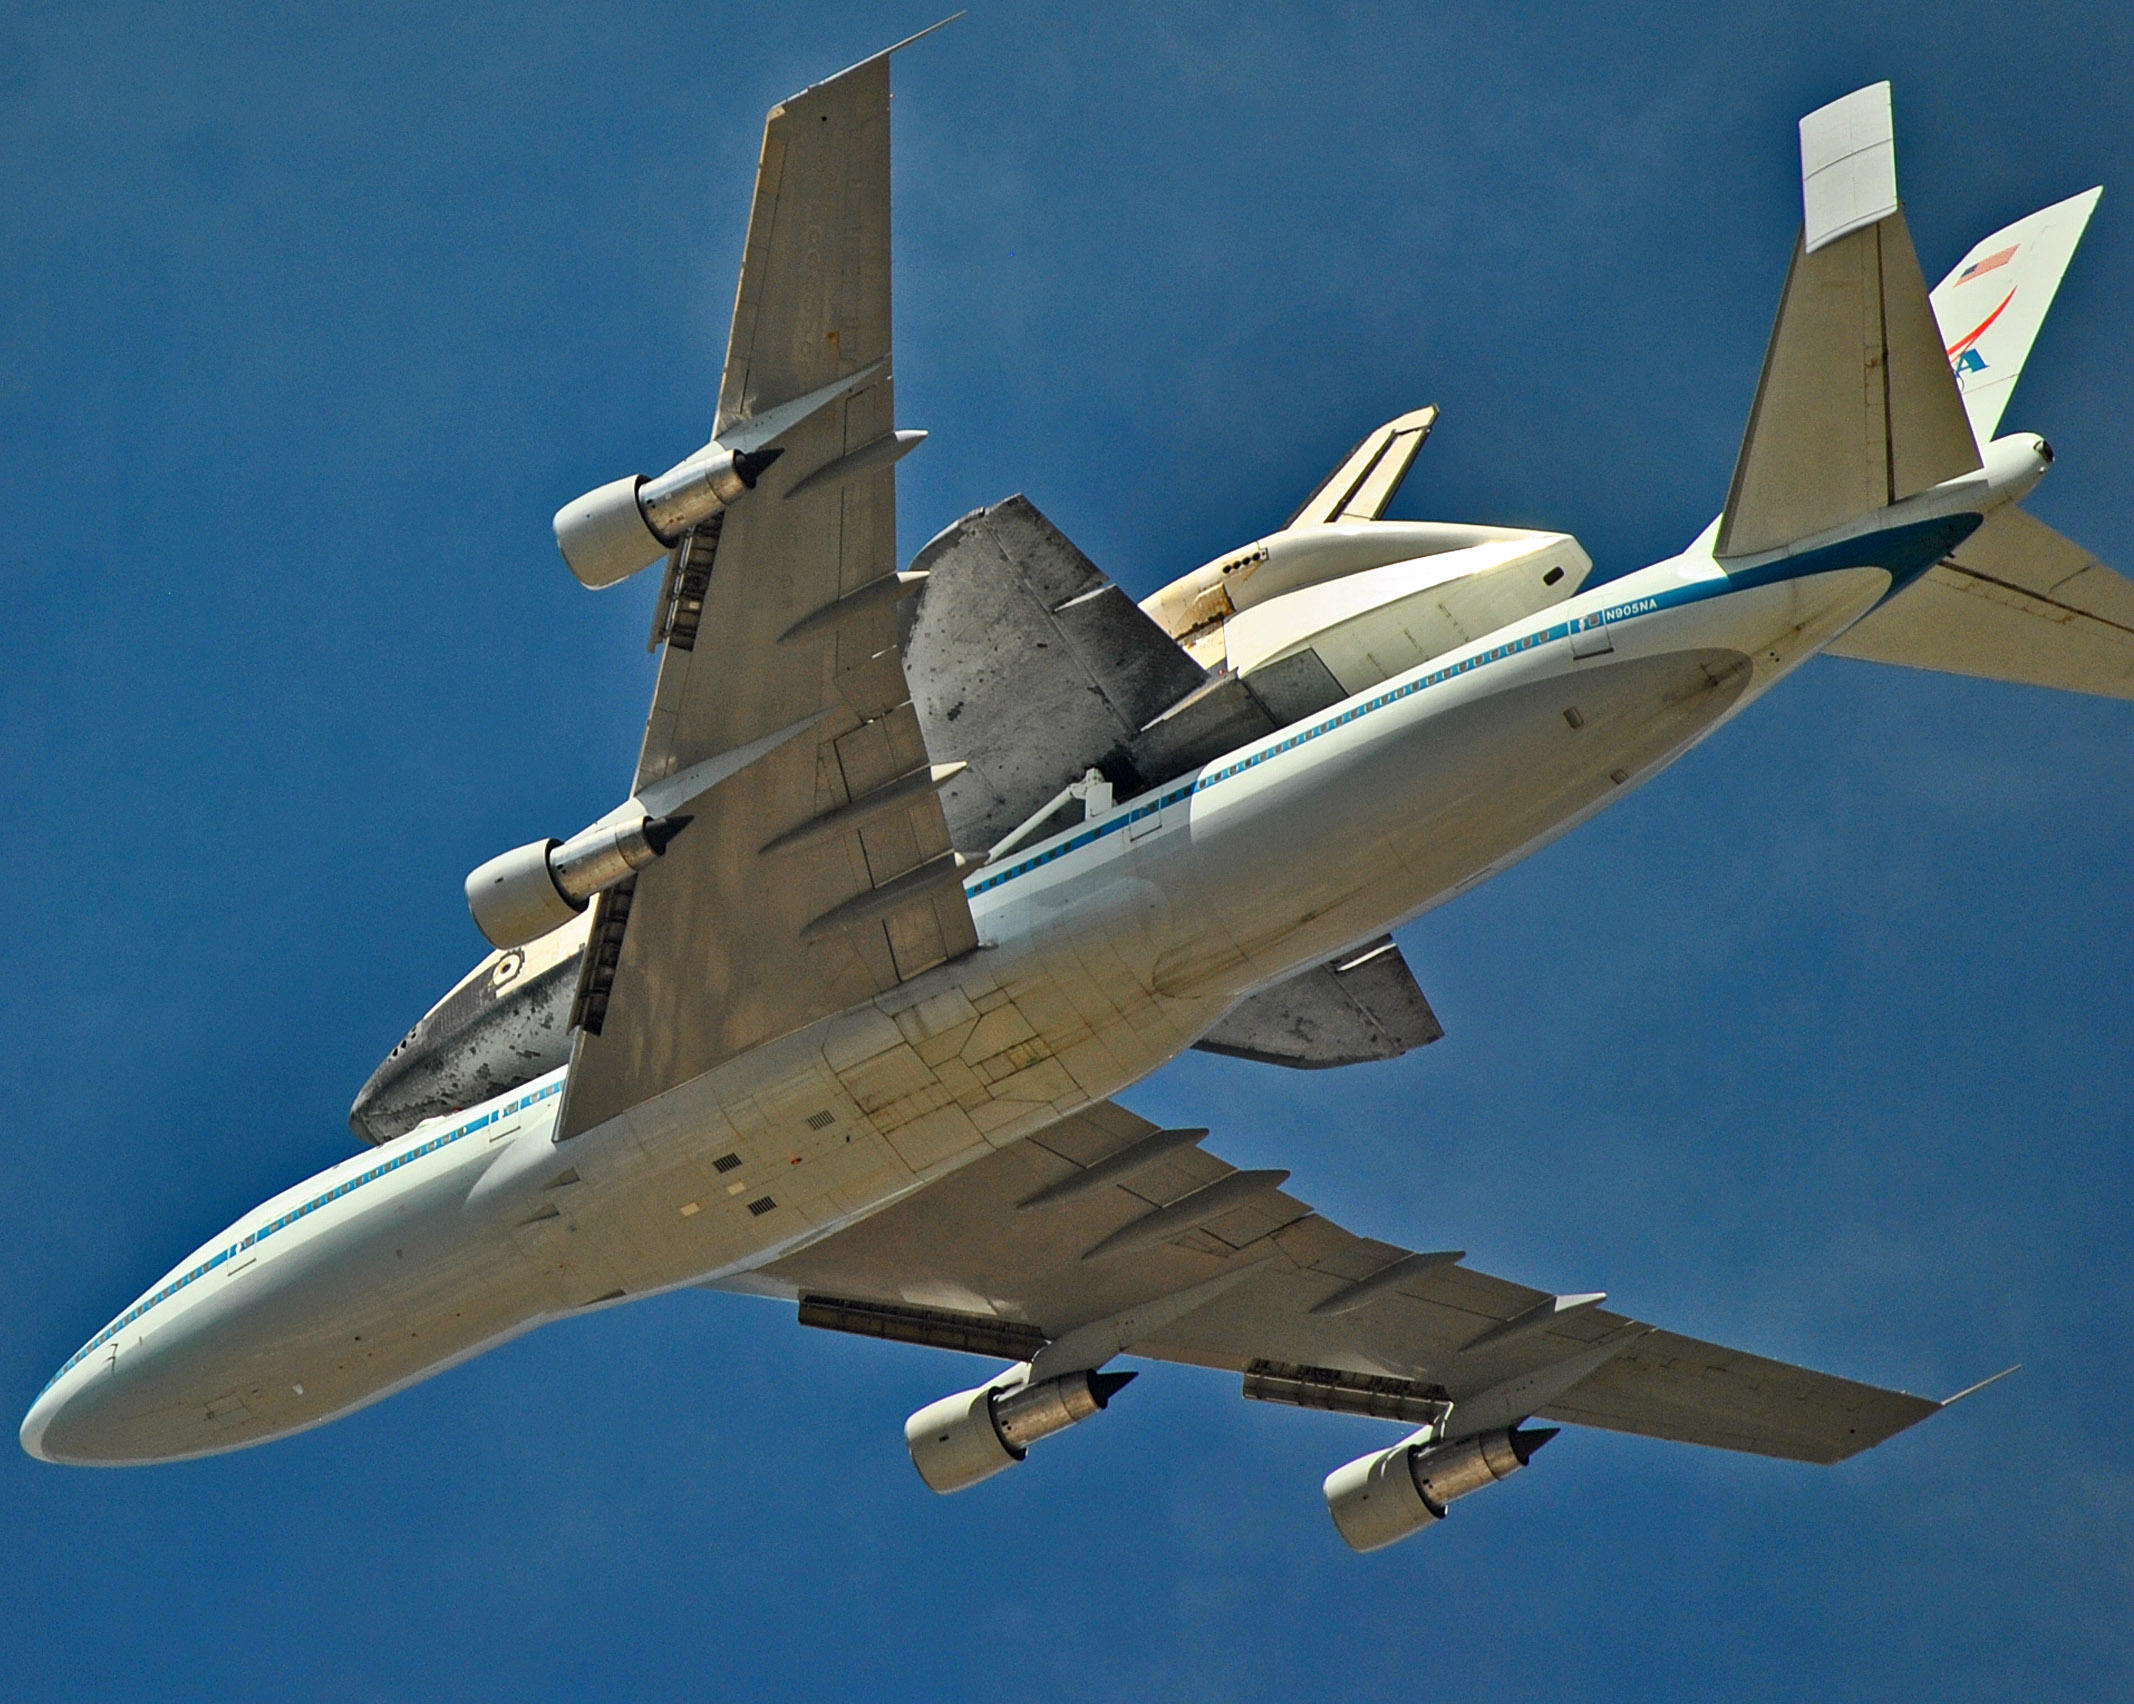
point(542, 885)
point(1377, 1499)
point(972, 1435)
point(628, 524)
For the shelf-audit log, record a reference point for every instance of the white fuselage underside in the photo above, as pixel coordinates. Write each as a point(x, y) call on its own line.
point(1106, 951)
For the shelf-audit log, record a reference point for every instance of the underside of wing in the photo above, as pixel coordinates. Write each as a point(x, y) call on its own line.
point(1365, 1005)
point(819, 873)
point(1105, 1235)
point(2016, 601)
point(1031, 668)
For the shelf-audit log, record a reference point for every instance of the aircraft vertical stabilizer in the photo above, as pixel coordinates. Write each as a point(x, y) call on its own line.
point(1857, 407)
point(1994, 300)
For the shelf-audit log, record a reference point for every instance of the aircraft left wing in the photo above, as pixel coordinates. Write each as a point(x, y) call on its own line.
point(1105, 1235)
point(820, 873)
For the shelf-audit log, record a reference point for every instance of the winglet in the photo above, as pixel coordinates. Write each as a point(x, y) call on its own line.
point(1973, 1390)
point(1848, 165)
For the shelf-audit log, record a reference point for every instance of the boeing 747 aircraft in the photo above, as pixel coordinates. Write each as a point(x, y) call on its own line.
point(918, 870)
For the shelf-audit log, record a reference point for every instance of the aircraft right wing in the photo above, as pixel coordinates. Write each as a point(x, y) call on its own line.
point(818, 873)
point(1105, 1235)
point(2015, 601)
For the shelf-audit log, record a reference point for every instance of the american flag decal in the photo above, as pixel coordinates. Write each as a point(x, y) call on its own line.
point(1987, 265)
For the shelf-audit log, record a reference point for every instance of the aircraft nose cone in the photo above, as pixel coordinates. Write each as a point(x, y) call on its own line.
point(54, 1428)
point(92, 1417)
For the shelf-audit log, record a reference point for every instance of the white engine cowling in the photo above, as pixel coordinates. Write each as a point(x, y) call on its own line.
point(1377, 1499)
point(525, 893)
point(628, 524)
point(974, 1434)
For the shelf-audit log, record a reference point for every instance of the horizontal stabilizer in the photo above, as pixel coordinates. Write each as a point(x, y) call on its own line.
point(1857, 407)
point(2015, 602)
point(1848, 166)
point(1994, 300)
point(1362, 1006)
point(1361, 487)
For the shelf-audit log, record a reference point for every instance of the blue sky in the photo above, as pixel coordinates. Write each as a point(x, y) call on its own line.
point(311, 315)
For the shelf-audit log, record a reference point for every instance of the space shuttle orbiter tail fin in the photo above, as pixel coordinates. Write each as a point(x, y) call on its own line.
point(1857, 407)
point(1361, 487)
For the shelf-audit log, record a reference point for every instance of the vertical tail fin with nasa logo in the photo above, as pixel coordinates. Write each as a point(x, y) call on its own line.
point(2016, 601)
point(1873, 391)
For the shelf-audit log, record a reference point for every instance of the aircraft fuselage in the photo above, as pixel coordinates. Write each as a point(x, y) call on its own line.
point(1106, 950)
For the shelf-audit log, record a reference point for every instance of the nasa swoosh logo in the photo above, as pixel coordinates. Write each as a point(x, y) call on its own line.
point(1963, 353)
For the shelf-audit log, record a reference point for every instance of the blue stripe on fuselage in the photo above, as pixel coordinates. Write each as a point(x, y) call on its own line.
point(1904, 552)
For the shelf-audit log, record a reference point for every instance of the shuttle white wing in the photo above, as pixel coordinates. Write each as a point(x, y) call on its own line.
point(1104, 1235)
point(821, 873)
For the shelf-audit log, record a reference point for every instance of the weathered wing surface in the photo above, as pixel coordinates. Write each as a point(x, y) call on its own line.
point(1029, 665)
point(724, 944)
point(1362, 1006)
point(1032, 667)
point(1313, 1309)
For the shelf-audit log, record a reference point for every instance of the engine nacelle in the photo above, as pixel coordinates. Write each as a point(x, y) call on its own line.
point(1377, 1499)
point(628, 524)
point(541, 886)
point(974, 1434)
